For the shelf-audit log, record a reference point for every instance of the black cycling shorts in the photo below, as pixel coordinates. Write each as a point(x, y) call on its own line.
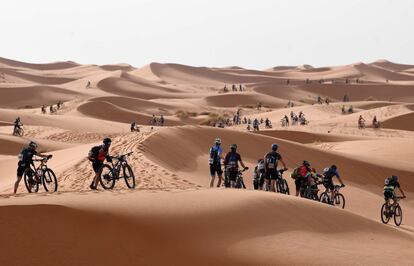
point(20, 170)
point(232, 175)
point(328, 184)
point(298, 183)
point(272, 175)
point(388, 195)
point(97, 165)
point(215, 168)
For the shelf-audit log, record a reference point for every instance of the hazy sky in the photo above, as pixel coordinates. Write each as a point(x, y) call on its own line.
point(253, 34)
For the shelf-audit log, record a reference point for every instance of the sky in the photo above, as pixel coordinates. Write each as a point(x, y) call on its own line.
point(252, 34)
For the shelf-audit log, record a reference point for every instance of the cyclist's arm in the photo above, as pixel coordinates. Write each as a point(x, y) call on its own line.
point(283, 163)
point(241, 162)
point(402, 192)
point(339, 179)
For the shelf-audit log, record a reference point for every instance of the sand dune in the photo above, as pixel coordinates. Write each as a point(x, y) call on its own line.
point(33, 96)
point(243, 99)
point(306, 137)
point(171, 218)
point(49, 66)
point(187, 217)
point(402, 122)
point(254, 146)
point(108, 111)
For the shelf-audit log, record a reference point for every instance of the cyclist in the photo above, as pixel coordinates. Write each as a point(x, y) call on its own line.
point(216, 155)
point(17, 124)
point(389, 189)
point(271, 160)
point(134, 127)
point(361, 122)
point(328, 174)
point(231, 163)
point(25, 160)
point(97, 156)
point(301, 175)
point(43, 109)
point(258, 175)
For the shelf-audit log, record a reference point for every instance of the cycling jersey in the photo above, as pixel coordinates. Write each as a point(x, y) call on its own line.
point(26, 156)
point(329, 173)
point(272, 159)
point(215, 155)
point(232, 161)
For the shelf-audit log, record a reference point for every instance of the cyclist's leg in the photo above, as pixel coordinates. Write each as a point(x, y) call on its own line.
point(212, 174)
point(273, 185)
point(97, 168)
point(297, 186)
point(220, 175)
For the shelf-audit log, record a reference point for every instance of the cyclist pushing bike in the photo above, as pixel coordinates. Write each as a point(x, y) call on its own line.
point(271, 160)
point(26, 160)
point(97, 156)
point(231, 164)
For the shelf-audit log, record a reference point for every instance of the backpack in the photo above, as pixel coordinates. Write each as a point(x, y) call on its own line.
point(295, 174)
point(93, 153)
point(260, 166)
point(272, 161)
point(214, 156)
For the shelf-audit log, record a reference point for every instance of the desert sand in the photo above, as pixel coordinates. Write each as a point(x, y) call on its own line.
point(172, 217)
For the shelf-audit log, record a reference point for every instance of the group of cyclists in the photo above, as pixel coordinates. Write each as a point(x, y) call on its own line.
point(361, 122)
point(234, 88)
point(52, 108)
point(294, 119)
point(266, 173)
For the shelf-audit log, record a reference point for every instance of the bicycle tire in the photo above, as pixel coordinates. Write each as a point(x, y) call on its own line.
point(129, 180)
point(32, 187)
point(384, 218)
point(285, 187)
point(324, 198)
point(339, 200)
point(398, 215)
point(107, 179)
point(49, 180)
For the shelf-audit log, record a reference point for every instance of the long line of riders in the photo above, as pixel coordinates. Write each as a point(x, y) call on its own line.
point(268, 177)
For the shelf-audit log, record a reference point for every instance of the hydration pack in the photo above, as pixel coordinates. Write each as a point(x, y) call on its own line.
point(93, 153)
point(295, 173)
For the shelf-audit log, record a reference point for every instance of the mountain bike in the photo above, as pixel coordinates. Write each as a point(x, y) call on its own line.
point(239, 179)
point(389, 210)
point(110, 173)
point(35, 176)
point(339, 199)
point(281, 183)
point(309, 192)
point(18, 131)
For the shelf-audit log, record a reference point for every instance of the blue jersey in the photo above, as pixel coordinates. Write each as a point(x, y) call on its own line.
point(215, 155)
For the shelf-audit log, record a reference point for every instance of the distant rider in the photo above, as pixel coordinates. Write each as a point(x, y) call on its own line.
point(389, 189)
point(17, 124)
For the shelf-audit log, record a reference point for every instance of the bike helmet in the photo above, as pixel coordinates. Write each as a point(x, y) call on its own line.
point(233, 146)
point(394, 178)
point(107, 141)
point(333, 167)
point(218, 141)
point(306, 163)
point(33, 145)
point(274, 147)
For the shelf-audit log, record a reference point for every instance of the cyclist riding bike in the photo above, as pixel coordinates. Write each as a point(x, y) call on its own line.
point(301, 175)
point(328, 174)
point(389, 189)
point(26, 160)
point(97, 156)
point(17, 124)
point(361, 122)
point(216, 155)
point(258, 175)
point(231, 164)
point(271, 160)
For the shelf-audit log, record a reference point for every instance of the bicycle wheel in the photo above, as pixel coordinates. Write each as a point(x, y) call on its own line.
point(21, 132)
point(285, 187)
point(31, 185)
point(339, 200)
point(107, 179)
point(49, 181)
point(324, 198)
point(398, 215)
point(385, 213)
point(129, 176)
